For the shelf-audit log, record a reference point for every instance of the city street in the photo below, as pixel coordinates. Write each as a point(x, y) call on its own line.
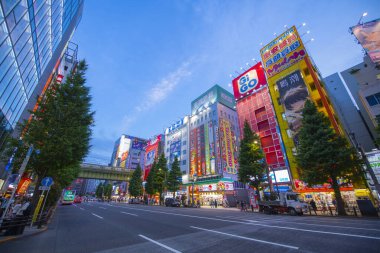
point(103, 227)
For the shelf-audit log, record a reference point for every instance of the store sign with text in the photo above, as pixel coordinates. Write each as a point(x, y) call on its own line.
point(249, 82)
point(281, 53)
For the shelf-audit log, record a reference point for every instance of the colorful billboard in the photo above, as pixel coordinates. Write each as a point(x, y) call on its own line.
point(368, 35)
point(228, 144)
point(281, 53)
point(293, 95)
point(249, 82)
point(151, 152)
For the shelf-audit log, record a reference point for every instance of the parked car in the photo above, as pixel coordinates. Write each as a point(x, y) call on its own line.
point(135, 201)
point(78, 199)
point(172, 202)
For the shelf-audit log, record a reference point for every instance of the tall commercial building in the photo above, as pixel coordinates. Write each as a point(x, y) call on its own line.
point(128, 152)
point(177, 144)
point(33, 39)
point(349, 113)
point(254, 105)
point(214, 142)
point(363, 82)
point(292, 79)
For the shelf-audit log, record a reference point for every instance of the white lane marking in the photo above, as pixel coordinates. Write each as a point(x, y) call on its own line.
point(160, 244)
point(320, 225)
point(81, 208)
point(246, 238)
point(102, 207)
point(97, 216)
point(130, 213)
point(259, 224)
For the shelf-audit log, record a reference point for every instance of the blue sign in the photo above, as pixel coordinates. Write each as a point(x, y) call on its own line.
point(47, 181)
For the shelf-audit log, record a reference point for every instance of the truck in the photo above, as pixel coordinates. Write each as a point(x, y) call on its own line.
point(68, 197)
point(287, 202)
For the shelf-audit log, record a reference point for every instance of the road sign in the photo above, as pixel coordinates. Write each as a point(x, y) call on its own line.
point(44, 188)
point(47, 181)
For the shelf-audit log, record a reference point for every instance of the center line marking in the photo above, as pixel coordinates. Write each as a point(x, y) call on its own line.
point(97, 216)
point(258, 224)
point(130, 213)
point(160, 244)
point(246, 238)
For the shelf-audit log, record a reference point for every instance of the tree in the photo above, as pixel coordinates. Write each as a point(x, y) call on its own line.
point(60, 131)
point(324, 155)
point(160, 176)
point(108, 191)
point(135, 184)
point(100, 191)
point(252, 164)
point(149, 186)
point(174, 178)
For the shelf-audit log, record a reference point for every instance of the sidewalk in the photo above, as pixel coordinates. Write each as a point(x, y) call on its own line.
point(27, 232)
point(221, 208)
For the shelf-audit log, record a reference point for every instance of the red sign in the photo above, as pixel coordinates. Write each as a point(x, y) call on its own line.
point(23, 185)
point(249, 82)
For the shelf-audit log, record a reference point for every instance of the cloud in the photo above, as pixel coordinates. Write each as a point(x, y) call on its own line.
point(162, 89)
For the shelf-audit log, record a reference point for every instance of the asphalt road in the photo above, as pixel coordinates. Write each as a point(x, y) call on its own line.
point(114, 228)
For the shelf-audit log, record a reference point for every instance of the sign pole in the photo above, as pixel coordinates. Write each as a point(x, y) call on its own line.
point(43, 205)
point(36, 211)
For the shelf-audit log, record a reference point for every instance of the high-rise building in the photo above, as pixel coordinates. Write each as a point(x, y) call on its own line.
point(254, 105)
point(34, 36)
point(292, 79)
point(363, 82)
point(349, 113)
point(128, 152)
point(177, 144)
point(214, 142)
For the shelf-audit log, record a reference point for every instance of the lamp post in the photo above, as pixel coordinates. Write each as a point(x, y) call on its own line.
point(192, 189)
point(363, 15)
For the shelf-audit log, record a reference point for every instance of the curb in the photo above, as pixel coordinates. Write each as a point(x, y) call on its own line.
point(10, 238)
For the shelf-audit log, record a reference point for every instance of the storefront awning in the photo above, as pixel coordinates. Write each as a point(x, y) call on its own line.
point(212, 181)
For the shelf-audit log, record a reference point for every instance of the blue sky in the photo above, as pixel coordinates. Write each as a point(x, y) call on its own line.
point(149, 59)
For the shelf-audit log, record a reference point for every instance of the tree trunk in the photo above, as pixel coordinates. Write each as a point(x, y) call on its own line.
point(338, 197)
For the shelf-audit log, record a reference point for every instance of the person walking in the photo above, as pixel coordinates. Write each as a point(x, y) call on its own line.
point(216, 204)
point(241, 206)
point(314, 206)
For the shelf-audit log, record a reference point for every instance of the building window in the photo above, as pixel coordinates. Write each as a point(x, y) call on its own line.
point(373, 99)
point(260, 112)
point(184, 143)
point(319, 103)
point(184, 162)
point(279, 101)
point(312, 86)
point(184, 152)
point(306, 71)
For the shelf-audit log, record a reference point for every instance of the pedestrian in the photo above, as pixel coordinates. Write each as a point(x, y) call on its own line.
point(211, 203)
point(216, 204)
point(314, 206)
point(241, 206)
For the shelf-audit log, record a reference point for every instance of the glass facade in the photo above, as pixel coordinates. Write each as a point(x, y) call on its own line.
point(30, 33)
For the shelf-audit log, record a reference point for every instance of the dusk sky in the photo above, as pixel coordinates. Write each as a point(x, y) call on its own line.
point(149, 59)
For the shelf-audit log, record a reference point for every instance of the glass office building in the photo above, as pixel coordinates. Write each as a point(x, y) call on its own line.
point(34, 35)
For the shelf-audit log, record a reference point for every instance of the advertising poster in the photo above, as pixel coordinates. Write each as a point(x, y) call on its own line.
point(374, 161)
point(368, 35)
point(249, 82)
point(281, 53)
point(211, 147)
point(138, 144)
point(175, 150)
point(193, 152)
point(227, 147)
point(23, 185)
point(293, 95)
point(151, 153)
point(207, 149)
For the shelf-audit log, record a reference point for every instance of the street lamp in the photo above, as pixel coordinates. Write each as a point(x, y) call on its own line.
point(192, 189)
point(363, 15)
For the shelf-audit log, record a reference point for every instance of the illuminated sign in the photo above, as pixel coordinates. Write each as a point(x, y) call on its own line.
point(281, 53)
point(250, 81)
point(282, 176)
point(368, 35)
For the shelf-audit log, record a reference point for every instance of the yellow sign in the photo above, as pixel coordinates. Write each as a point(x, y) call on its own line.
point(362, 192)
point(281, 53)
point(38, 208)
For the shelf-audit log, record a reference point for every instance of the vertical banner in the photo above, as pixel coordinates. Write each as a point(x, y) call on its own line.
point(193, 155)
point(207, 149)
point(211, 147)
point(38, 207)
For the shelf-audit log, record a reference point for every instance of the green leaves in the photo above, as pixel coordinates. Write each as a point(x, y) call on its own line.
point(135, 184)
point(251, 160)
point(173, 182)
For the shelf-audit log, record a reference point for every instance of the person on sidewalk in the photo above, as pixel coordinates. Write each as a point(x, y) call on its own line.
point(314, 206)
point(216, 204)
point(241, 206)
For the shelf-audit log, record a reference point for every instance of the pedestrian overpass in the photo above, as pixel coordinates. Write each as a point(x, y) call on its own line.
point(96, 171)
